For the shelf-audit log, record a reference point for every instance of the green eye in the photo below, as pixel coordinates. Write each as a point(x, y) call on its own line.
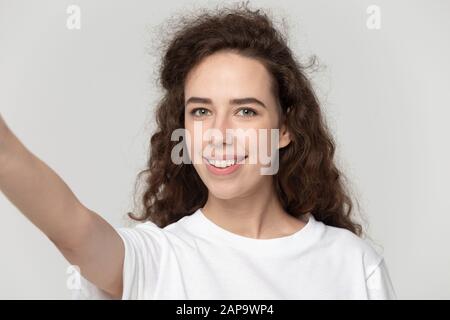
point(248, 112)
point(202, 112)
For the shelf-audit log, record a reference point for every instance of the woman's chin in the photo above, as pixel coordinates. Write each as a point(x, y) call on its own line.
point(225, 192)
point(222, 196)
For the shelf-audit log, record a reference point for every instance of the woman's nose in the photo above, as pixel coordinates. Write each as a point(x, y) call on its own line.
point(221, 125)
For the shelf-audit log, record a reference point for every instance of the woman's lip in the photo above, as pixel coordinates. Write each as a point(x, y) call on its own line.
point(236, 158)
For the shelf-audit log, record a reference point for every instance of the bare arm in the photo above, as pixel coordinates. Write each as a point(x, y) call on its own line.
point(83, 237)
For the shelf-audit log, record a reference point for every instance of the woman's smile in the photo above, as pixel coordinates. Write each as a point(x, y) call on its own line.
point(225, 166)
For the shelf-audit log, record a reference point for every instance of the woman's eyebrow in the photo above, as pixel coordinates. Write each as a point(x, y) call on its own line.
point(198, 100)
point(237, 101)
point(247, 101)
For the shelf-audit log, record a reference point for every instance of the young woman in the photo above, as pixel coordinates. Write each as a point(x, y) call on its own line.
point(217, 228)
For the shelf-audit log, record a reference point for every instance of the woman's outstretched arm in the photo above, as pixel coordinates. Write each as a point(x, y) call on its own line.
point(83, 237)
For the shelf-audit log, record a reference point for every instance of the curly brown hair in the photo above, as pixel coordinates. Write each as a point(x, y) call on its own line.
point(308, 179)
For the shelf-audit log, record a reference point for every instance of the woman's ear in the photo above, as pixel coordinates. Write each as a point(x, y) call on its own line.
point(285, 137)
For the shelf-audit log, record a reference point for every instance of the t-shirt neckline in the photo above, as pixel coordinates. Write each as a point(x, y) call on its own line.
point(211, 229)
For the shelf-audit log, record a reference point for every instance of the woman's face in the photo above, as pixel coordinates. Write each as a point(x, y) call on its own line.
point(210, 89)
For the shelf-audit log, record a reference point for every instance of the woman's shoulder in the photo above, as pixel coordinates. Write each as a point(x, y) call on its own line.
point(150, 226)
point(351, 245)
point(149, 231)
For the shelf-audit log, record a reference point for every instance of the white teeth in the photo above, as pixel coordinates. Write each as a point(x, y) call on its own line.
point(221, 163)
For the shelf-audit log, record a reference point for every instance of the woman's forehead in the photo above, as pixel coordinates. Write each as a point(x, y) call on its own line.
point(224, 75)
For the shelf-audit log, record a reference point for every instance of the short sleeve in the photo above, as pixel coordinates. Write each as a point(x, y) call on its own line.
point(379, 284)
point(140, 267)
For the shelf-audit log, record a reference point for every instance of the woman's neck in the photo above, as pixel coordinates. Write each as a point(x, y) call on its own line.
point(258, 214)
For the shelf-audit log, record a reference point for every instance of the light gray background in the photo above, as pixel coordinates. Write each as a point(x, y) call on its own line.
point(82, 101)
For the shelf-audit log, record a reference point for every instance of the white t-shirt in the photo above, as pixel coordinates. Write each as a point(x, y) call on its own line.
point(194, 258)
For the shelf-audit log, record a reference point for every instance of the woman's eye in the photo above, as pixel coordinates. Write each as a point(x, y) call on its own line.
point(246, 112)
point(198, 112)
